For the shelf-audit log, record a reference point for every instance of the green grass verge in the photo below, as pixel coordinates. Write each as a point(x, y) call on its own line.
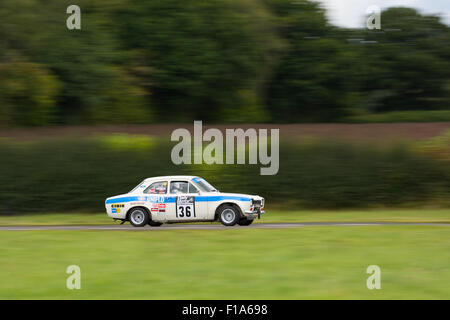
point(56, 219)
point(297, 263)
point(373, 215)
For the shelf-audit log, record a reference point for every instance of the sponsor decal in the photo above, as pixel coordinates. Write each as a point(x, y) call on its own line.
point(115, 208)
point(156, 199)
point(185, 207)
point(162, 207)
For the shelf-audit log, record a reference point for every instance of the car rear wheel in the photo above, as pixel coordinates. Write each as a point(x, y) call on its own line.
point(138, 217)
point(228, 216)
point(245, 222)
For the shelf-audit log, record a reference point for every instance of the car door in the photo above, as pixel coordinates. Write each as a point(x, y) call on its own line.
point(183, 195)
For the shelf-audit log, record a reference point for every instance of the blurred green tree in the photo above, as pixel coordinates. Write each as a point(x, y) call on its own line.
point(406, 64)
point(313, 81)
point(97, 86)
point(28, 94)
point(217, 60)
point(203, 56)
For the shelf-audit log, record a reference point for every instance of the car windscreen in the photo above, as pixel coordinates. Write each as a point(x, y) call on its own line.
point(203, 185)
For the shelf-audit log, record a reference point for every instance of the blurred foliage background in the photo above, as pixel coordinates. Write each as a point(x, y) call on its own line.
point(220, 61)
point(217, 60)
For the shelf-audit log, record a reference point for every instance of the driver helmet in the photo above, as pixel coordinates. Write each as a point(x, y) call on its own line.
point(176, 187)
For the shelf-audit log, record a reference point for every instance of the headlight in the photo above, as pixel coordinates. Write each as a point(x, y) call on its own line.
point(256, 203)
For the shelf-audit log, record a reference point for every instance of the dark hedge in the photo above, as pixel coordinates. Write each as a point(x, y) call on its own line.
point(62, 176)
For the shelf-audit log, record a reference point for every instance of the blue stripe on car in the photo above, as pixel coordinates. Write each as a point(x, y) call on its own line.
point(220, 198)
point(173, 199)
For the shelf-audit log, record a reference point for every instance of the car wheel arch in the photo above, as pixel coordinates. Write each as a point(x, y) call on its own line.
point(127, 216)
point(233, 204)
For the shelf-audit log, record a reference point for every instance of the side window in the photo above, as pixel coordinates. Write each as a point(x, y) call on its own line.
point(159, 187)
point(192, 189)
point(178, 187)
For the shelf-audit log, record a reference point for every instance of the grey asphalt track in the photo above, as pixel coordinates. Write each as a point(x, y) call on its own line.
point(214, 226)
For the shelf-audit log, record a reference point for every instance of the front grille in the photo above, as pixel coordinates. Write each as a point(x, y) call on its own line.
point(256, 203)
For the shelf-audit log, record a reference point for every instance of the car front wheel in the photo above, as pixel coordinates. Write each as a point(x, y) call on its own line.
point(138, 217)
point(228, 216)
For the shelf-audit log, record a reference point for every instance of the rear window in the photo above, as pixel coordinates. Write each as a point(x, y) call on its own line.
point(159, 187)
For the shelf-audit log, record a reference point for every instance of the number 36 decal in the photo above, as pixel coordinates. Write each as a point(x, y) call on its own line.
point(185, 207)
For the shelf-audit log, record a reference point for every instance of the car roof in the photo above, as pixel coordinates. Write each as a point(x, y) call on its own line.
point(171, 178)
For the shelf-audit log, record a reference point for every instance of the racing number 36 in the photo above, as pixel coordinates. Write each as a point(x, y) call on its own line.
point(185, 211)
point(185, 207)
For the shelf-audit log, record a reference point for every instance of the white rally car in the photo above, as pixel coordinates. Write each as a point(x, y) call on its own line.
point(172, 199)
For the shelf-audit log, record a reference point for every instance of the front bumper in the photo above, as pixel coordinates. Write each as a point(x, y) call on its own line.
point(254, 213)
point(256, 208)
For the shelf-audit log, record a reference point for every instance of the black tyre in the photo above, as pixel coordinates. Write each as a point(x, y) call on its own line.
point(229, 216)
point(154, 224)
point(138, 217)
point(245, 222)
